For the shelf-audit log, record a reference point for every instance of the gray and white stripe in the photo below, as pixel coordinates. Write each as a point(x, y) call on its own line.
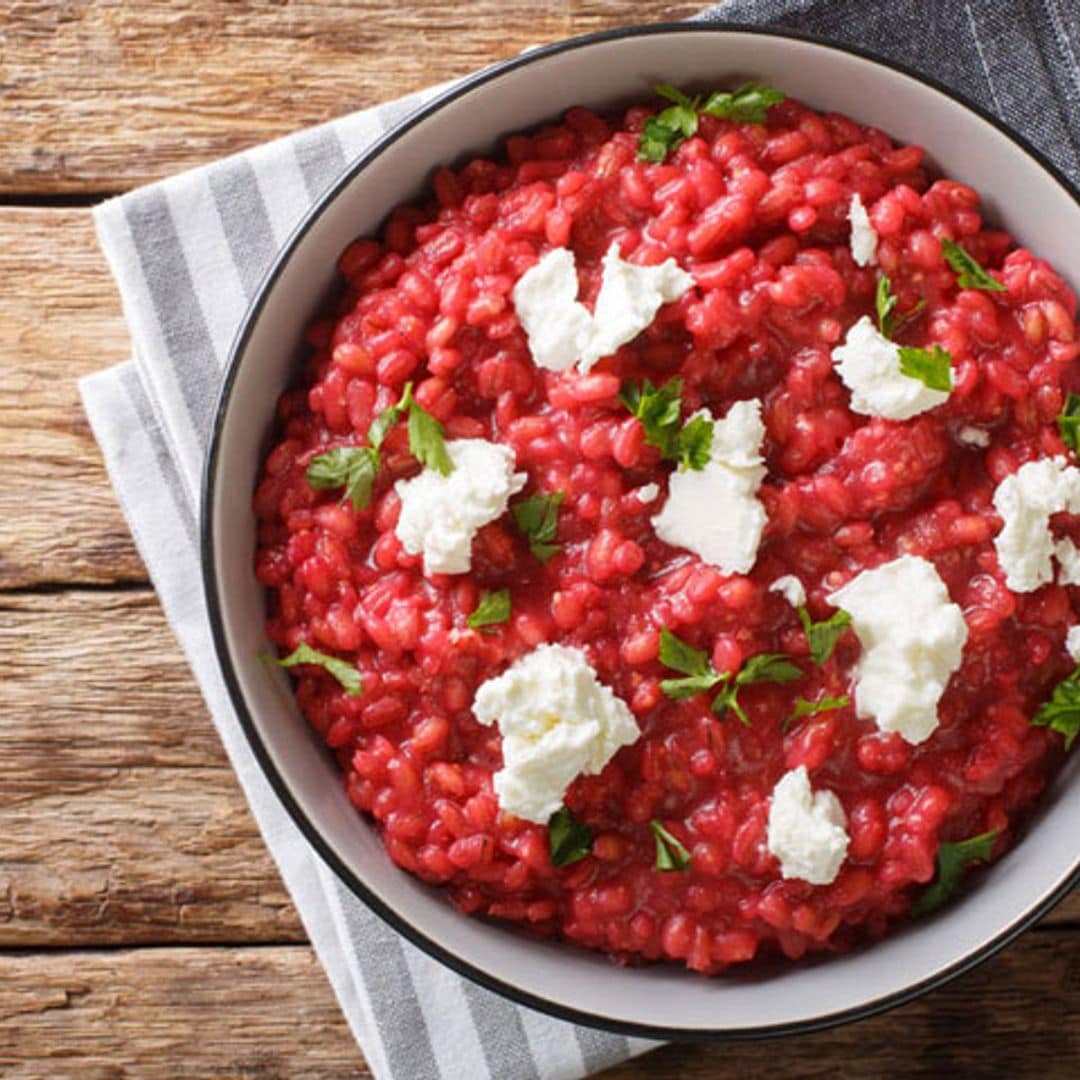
point(189, 253)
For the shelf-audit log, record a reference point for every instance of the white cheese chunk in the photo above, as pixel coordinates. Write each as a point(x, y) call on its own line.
point(973, 436)
point(791, 589)
point(1026, 500)
point(715, 512)
point(869, 365)
point(545, 297)
point(912, 638)
point(440, 515)
point(1072, 643)
point(561, 330)
point(558, 721)
point(647, 493)
point(807, 830)
point(1068, 560)
point(629, 298)
point(864, 240)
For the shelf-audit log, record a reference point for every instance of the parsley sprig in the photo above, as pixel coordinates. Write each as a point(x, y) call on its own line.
point(804, 707)
point(671, 853)
point(538, 518)
point(494, 607)
point(672, 126)
point(969, 274)
point(699, 676)
point(355, 467)
point(1068, 422)
point(569, 840)
point(823, 636)
point(885, 301)
point(659, 408)
point(1062, 712)
point(345, 673)
point(952, 860)
point(933, 366)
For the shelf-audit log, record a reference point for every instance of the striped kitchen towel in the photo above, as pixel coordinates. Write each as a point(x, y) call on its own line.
point(188, 254)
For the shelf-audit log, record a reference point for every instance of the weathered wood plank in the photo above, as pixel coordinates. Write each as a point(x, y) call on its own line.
point(120, 819)
point(59, 319)
point(111, 94)
point(269, 1012)
point(172, 1013)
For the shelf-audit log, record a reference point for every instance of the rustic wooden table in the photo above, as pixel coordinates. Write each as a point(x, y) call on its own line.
point(143, 928)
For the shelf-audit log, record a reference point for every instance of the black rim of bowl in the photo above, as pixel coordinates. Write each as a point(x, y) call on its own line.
point(311, 833)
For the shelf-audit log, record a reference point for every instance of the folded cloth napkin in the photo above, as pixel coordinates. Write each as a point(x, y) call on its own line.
point(188, 254)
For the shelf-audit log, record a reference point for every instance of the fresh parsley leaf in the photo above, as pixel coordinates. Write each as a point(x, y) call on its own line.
point(494, 607)
point(764, 667)
point(952, 860)
point(701, 676)
point(569, 840)
point(538, 518)
point(680, 656)
point(672, 126)
point(932, 367)
point(823, 636)
point(342, 670)
point(694, 443)
point(1062, 712)
point(670, 853)
point(352, 467)
point(659, 409)
point(803, 707)
point(1068, 422)
point(969, 274)
point(381, 425)
point(746, 105)
point(427, 440)
point(885, 301)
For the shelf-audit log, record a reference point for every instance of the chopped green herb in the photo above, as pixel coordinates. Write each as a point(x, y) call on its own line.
point(823, 636)
point(569, 840)
point(538, 518)
point(494, 607)
point(659, 409)
point(1062, 712)
point(885, 301)
point(952, 860)
point(381, 425)
point(803, 707)
point(670, 853)
point(1068, 422)
point(352, 467)
point(969, 274)
point(671, 127)
point(746, 105)
point(342, 670)
point(693, 663)
point(764, 667)
point(932, 367)
point(427, 440)
point(700, 676)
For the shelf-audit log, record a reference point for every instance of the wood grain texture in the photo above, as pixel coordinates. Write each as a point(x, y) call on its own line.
point(105, 95)
point(120, 819)
point(59, 319)
point(162, 1014)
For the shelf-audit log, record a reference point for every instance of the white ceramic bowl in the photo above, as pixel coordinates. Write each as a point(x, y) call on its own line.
point(1021, 193)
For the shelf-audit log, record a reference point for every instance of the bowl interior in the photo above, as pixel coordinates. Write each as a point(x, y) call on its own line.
point(1018, 193)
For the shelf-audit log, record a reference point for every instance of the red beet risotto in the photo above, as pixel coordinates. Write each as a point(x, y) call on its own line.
point(672, 532)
